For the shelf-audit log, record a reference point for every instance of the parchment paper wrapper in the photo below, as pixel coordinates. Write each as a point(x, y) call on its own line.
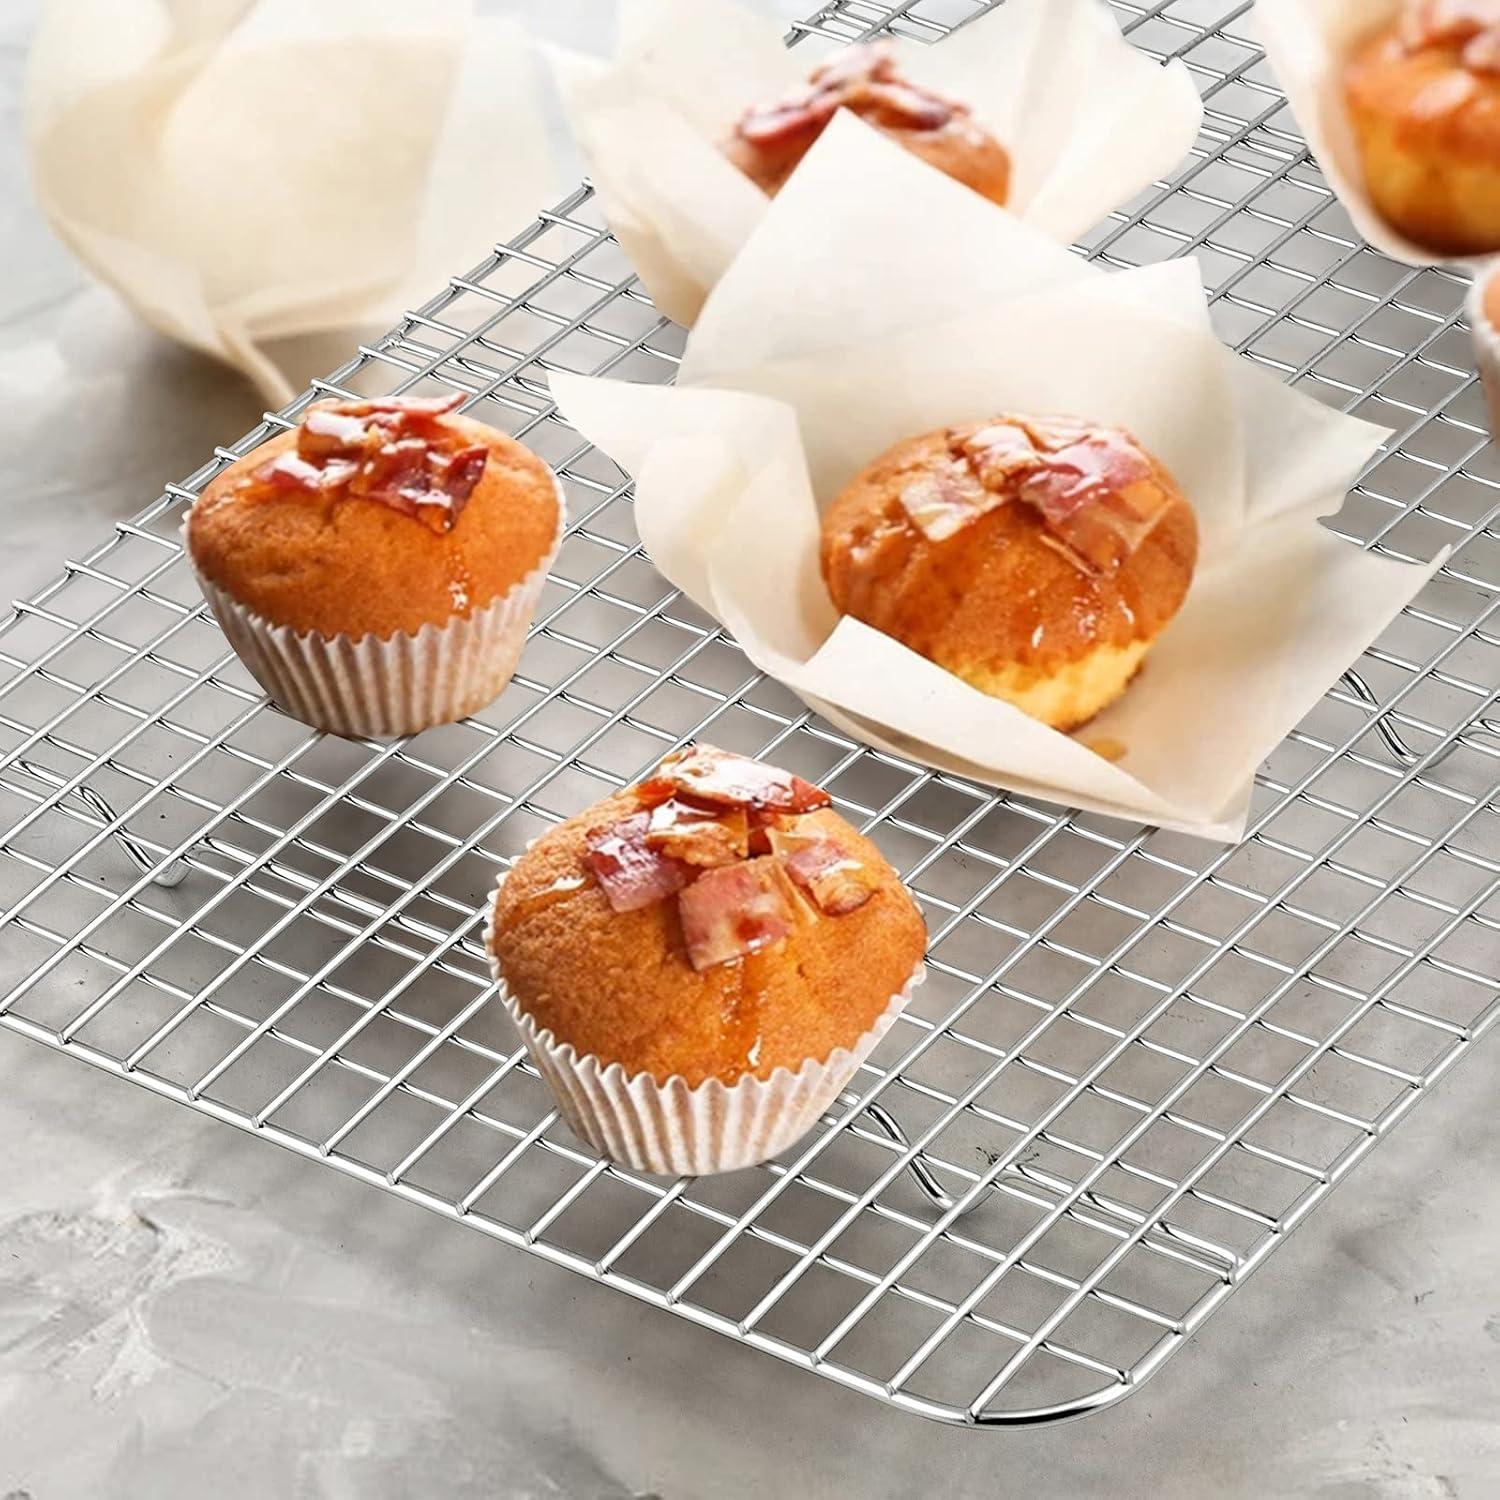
point(1307, 43)
point(678, 1131)
point(810, 359)
point(1087, 118)
point(373, 688)
point(1486, 344)
point(248, 170)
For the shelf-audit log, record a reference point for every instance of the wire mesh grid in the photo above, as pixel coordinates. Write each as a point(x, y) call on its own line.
point(1139, 1060)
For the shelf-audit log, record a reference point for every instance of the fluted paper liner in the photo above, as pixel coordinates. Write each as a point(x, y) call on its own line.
point(380, 688)
point(678, 1130)
point(1088, 120)
point(1307, 43)
point(1486, 346)
point(813, 356)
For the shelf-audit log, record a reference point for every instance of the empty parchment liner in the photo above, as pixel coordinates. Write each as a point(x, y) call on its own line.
point(379, 688)
point(676, 1130)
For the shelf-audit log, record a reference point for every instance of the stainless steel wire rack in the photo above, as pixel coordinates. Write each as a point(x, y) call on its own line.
point(1139, 1060)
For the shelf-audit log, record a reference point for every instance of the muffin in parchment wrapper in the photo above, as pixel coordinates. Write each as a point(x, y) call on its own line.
point(1087, 120)
point(813, 356)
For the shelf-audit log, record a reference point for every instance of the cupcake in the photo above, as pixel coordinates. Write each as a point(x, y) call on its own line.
point(1037, 558)
point(376, 568)
point(699, 963)
point(770, 139)
point(1423, 96)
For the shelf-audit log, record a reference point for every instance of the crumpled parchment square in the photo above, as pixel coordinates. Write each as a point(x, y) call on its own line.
point(242, 171)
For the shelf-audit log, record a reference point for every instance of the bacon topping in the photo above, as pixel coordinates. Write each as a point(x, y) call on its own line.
point(1096, 491)
point(702, 836)
point(861, 78)
point(836, 881)
point(734, 911)
point(1471, 25)
point(721, 833)
point(943, 500)
point(289, 471)
point(394, 450)
point(630, 872)
point(707, 774)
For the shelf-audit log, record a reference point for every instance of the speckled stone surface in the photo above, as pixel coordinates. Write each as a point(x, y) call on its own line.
point(182, 1307)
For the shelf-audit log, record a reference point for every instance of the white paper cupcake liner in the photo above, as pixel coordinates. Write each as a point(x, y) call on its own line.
point(677, 1130)
point(1486, 344)
point(380, 688)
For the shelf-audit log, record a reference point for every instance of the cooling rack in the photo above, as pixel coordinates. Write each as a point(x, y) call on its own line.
point(1139, 1060)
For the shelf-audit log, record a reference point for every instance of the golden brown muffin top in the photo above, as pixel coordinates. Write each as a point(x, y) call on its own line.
point(769, 140)
point(373, 518)
point(937, 544)
point(749, 939)
point(1435, 72)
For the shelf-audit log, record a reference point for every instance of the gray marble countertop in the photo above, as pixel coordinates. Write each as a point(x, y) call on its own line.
point(181, 1305)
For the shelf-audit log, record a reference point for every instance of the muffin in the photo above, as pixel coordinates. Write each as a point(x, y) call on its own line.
point(699, 963)
point(770, 139)
point(1423, 96)
point(1037, 558)
point(377, 567)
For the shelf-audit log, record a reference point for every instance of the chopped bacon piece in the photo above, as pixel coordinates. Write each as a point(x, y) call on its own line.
point(287, 471)
point(464, 469)
point(329, 430)
point(722, 779)
point(999, 453)
point(392, 467)
point(942, 501)
point(788, 120)
point(834, 878)
point(702, 836)
point(863, 79)
point(734, 911)
point(901, 106)
point(1099, 498)
point(631, 874)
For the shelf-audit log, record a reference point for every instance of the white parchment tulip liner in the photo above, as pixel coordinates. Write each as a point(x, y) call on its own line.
point(1307, 43)
point(813, 355)
point(1089, 121)
point(380, 688)
point(360, 137)
point(675, 1129)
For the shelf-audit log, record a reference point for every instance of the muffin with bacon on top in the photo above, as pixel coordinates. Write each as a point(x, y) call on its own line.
point(769, 140)
point(699, 963)
point(377, 566)
point(1037, 558)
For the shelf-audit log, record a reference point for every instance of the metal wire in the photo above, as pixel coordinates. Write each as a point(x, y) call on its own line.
point(1139, 1061)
